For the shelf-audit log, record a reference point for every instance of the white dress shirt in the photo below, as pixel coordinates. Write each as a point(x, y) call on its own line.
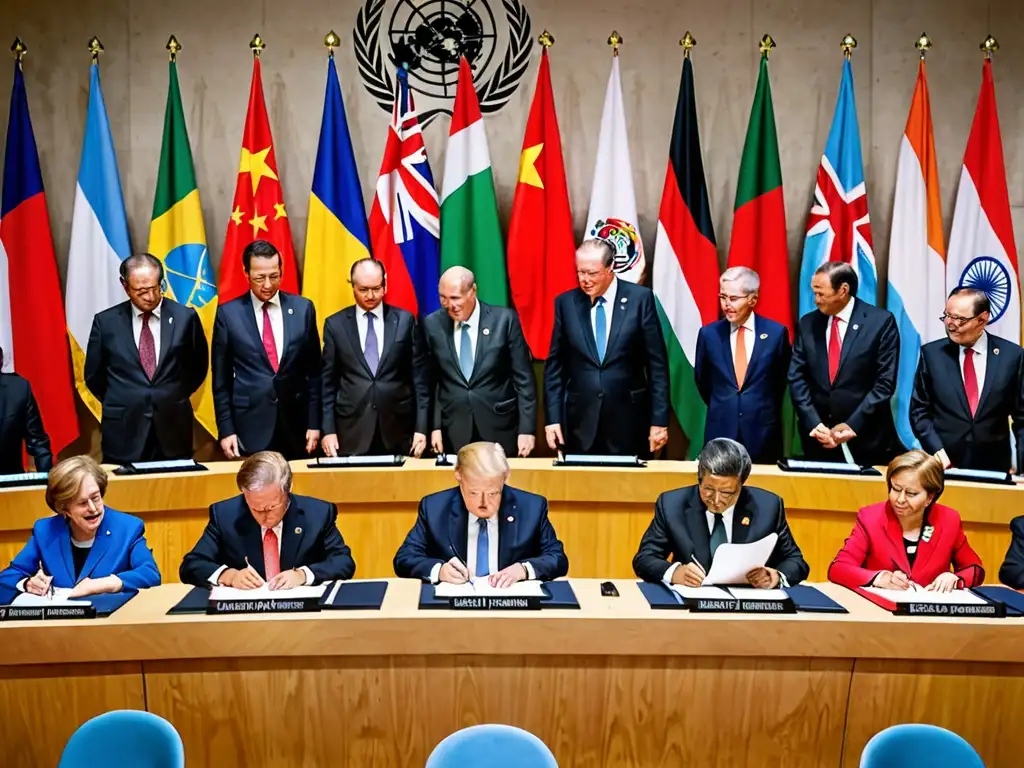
point(474, 331)
point(473, 530)
point(276, 320)
point(844, 323)
point(378, 326)
point(980, 360)
point(154, 327)
point(609, 305)
point(748, 337)
point(279, 530)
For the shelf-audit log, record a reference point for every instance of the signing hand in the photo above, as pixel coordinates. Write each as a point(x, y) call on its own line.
point(891, 580)
point(453, 572)
point(39, 584)
point(944, 582)
point(330, 445)
point(436, 442)
point(246, 578)
point(823, 435)
point(553, 434)
point(312, 439)
point(657, 438)
point(526, 445)
point(88, 586)
point(763, 578)
point(419, 445)
point(842, 433)
point(689, 575)
point(230, 447)
point(289, 579)
point(506, 577)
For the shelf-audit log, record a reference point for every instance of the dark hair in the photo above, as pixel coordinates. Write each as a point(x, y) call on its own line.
point(138, 261)
point(261, 249)
point(840, 272)
point(725, 458)
point(981, 302)
point(604, 247)
point(379, 265)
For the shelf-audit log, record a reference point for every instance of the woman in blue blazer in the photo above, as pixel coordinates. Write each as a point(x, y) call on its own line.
point(84, 547)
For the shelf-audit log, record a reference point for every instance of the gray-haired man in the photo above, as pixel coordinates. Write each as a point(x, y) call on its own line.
point(691, 523)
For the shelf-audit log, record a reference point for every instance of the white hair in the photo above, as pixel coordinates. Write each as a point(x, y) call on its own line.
point(748, 279)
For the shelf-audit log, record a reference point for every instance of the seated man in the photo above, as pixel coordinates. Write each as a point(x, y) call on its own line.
point(268, 534)
point(1012, 571)
point(483, 528)
point(691, 523)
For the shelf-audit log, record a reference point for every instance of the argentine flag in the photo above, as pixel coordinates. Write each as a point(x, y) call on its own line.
point(99, 235)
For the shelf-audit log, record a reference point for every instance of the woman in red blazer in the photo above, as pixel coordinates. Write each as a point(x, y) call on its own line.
point(909, 539)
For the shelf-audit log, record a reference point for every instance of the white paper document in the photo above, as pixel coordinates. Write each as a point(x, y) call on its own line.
point(732, 562)
point(264, 593)
point(753, 593)
point(61, 596)
point(704, 593)
point(956, 597)
point(480, 588)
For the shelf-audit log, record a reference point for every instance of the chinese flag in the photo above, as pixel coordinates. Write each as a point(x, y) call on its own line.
point(541, 248)
point(258, 212)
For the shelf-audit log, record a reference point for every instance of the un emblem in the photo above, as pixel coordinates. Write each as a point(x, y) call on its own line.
point(188, 276)
point(428, 37)
point(989, 275)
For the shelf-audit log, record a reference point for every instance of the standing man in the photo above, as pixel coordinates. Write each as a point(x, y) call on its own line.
point(266, 364)
point(968, 387)
point(145, 358)
point(20, 423)
point(843, 372)
point(376, 399)
point(741, 367)
point(479, 371)
point(606, 378)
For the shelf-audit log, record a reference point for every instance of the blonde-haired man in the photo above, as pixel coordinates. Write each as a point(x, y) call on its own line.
point(484, 528)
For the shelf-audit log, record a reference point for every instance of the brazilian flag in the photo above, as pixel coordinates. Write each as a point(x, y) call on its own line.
point(177, 236)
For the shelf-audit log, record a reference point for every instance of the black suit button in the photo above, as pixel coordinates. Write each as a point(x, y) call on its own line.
point(741, 415)
point(600, 395)
point(273, 399)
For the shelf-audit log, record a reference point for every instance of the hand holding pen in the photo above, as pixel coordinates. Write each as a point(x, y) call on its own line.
point(40, 584)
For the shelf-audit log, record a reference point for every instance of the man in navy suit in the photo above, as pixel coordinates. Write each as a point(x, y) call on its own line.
point(20, 423)
point(266, 364)
point(606, 377)
point(268, 535)
point(843, 373)
point(145, 358)
point(968, 387)
point(740, 368)
point(484, 528)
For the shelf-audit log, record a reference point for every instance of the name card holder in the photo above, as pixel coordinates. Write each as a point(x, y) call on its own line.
point(44, 613)
point(975, 611)
point(277, 605)
point(474, 603)
point(346, 462)
point(734, 605)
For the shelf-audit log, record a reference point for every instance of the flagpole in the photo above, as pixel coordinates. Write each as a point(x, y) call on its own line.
point(848, 44)
point(989, 46)
point(173, 46)
point(96, 48)
point(615, 40)
point(256, 45)
point(765, 46)
point(688, 42)
point(923, 44)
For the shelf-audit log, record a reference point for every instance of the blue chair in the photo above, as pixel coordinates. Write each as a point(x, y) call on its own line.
point(125, 738)
point(915, 745)
point(491, 746)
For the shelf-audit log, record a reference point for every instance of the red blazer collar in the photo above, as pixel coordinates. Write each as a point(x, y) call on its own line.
point(925, 548)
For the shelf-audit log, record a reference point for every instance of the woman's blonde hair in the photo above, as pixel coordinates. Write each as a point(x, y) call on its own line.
point(928, 468)
point(65, 480)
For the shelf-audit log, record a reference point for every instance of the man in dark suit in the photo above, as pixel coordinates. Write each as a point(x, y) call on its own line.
point(266, 364)
point(968, 387)
point(484, 528)
point(376, 399)
point(691, 523)
point(1011, 572)
point(843, 373)
point(606, 377)
point(480, 374)
point(741, 366)
point(145, 358)
point(20, 423)
point(268, 535)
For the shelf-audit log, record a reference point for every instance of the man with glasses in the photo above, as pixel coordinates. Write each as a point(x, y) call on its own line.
point(375, 396)
point(967, 389)
point(606, 377)
point(266, 364)
point(740, 369)
point(145, 358)
point(691, 523)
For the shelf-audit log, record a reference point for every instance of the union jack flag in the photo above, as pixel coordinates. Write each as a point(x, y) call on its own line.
point(405, 220)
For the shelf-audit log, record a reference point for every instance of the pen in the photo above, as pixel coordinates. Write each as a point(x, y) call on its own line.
point(697, 563)
point(462, 562)
point(49, 590)
point(249, 566)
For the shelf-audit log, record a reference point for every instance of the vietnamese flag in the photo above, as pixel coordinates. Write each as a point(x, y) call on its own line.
point(541, 246)
point(258, 212)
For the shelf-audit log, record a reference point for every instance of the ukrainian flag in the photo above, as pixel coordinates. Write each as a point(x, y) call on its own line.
point(177, 236)
point(336, 235)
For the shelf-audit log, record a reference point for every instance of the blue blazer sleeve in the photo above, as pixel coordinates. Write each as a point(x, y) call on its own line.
point(412, 560)
point(23, 566)
point(551, 563)
point(140, 571)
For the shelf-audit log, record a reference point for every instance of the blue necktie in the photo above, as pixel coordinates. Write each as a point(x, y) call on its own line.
point(600, 328)
point(370, 353)
point(483, 554)
point(466, 353)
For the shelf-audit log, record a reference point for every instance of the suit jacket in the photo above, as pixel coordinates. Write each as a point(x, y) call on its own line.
point(249, 397)
point(395, 401)
point(941, 416)
point(20, 422)
point(876, 544)
point(680, 529)
point(132, 404)
point(500, 398)
point(1011, 573)
point(620, 397)
point(309, 538)
point(120, 549)
point(864, 385)
point(525, 535)
point(751, 415)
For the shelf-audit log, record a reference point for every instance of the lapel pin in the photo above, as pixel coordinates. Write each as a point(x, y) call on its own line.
point(298, 531)
point(745, 521)
point(856, 327)
point(926, 534)
point(170, 320)
point(108, 533)
point(763, 336)
point(291, 311)
point(624, 299)
point(510, 519)
point(487, 331)
point(995, 351)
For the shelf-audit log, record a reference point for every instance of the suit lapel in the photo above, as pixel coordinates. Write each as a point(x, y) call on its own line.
point(618, 318)
point(99, 548)
point(349, 322)
point(742, 511)
point(993, 368)
point(895, 535)
point(819, 326)
point(483, 339)
point(583, 307)
point(951, 370)
point(390, 332)
point(854, 332)
point(64, 546)
point(759, 350)
point(249, 321)
point(696, 520)
point(458, 528)
point(292, 533)
point(291, 328)
point(167, 329)
point(251, 536)
point(508, 529)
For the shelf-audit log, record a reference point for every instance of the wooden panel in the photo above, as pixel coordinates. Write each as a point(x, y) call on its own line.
point(590, 711)
point(43, 705)
point(981, 702)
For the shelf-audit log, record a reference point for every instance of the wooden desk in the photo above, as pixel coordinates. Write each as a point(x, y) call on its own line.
point(611, 684)
point(600, 514)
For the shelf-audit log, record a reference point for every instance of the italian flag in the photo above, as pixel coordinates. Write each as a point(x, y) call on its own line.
point(470, 231)
point(685, 271)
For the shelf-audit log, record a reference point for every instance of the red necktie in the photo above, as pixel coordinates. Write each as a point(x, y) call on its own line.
point(271, 557)
point(268, 338)
point(970, 381)
point(147, 347)
point(835, 348)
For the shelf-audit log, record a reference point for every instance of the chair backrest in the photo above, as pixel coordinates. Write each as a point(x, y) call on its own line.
point(916, 745)
point(491, 746)
point(124, 738)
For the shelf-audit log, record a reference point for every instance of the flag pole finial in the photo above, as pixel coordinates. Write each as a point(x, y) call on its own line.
point(331, 41)
point(546, 39)
point(989, 46)
point(688, 41)
point(256, 45)
point(848, 44)
point(923, 44)
point(766, 45)
point(173, 46)
point(95, 48)
point(18, 49)
point(615, 40)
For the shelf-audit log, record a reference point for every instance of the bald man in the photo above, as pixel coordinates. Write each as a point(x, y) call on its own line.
point(480, 376)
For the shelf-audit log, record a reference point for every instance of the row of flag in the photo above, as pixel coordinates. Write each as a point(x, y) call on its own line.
point(417, 233)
